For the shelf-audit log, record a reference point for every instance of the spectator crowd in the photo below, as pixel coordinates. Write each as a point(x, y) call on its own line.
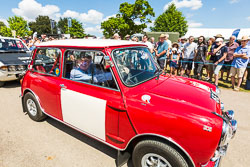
point(211, 60)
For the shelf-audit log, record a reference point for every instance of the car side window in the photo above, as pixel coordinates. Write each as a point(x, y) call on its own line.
point(88, 67)
point(47, 61)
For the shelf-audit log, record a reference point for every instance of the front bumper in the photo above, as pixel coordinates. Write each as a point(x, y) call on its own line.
point(228, 132)
point(10, 76)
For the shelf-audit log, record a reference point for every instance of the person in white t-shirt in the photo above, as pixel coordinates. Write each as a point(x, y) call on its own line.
point(149, 44)
point(189, 51)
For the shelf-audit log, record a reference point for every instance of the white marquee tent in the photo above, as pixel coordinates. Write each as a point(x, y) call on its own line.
point(210, 32)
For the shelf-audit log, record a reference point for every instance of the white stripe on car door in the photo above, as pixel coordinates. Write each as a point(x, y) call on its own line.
point(85, 112)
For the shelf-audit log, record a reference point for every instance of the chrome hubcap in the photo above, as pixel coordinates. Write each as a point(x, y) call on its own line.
point(31, 105)
point(154, 160)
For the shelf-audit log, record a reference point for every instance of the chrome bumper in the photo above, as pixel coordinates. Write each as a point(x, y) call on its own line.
point(10, 76)
point(228, 132)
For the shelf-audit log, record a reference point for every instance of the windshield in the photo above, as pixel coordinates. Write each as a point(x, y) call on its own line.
point(135, 65)
point(12, 45)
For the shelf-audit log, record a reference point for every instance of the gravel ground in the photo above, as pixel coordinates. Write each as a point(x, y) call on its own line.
point(25, 143)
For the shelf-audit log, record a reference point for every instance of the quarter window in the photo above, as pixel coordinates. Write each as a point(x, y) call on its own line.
point(47, 61)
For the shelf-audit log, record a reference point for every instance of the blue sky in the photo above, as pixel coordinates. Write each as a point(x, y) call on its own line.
point(199, 13)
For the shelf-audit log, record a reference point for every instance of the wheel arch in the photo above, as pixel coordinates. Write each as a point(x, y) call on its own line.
point(37, 98)
point(138, 138)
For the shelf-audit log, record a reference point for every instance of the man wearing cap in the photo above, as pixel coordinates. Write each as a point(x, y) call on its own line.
point(127, 37)
point(239, 64)
point(86, 69)
point(220, 53)
point(116, 36)
point(161, 51)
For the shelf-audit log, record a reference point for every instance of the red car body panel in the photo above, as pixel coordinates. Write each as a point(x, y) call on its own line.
point(178, 110)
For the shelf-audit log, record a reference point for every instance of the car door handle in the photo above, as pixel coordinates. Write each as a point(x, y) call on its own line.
point(63, 86)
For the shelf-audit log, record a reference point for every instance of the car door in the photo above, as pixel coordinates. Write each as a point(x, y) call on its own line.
point(45, 75)
point(90, 106)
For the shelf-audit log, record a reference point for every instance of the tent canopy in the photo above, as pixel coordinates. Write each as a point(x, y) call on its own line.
point(210, 32)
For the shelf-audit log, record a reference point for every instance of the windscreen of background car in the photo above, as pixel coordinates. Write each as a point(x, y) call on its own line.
point(12, 45)
point(135, 65)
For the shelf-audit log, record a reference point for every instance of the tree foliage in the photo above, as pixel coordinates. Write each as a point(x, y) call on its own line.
point(76, 30)
point(171, 20)
point(18, 24)
point(132, 18)
point(42, 25)
point(2, 24)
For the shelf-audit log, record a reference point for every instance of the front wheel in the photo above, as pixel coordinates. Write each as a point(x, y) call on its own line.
point(151, 153)
point(32, 107)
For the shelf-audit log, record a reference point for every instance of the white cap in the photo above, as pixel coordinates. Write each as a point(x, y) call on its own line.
point(219, 40)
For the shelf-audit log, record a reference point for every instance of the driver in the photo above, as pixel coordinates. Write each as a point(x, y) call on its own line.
point(85, 69)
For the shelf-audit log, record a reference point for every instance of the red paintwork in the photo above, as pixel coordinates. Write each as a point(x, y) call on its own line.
point(178, 110)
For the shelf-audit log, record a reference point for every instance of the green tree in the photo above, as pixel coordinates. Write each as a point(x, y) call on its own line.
point(171, 20)
point(132, 18)
point(2, 24)
point(18, 24)
point(42, 25)
point(76, 30)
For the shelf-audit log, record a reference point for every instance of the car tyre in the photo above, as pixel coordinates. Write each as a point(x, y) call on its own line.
point(155, 153)
point(32, 107)
point(1, 83)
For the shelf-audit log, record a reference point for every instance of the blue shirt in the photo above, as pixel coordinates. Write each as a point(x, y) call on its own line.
point(239, 62)
point(161, 47)
point(78, 74)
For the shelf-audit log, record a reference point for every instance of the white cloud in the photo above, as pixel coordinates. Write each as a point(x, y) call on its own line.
point(193, 4)
point(70, 13)
point(193, 24)
point(248, 18)
point(30, 9)
point(92, 16)
point(234, 1)
point(93, 30)
point(106, 18)
point(213, 9)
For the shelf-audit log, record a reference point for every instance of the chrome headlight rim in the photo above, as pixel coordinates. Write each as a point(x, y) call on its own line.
point(225, 134)
point(12, 68)
point(217, 91)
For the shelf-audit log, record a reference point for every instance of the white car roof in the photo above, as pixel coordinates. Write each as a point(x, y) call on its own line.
point(8, 38)
point(89, 43)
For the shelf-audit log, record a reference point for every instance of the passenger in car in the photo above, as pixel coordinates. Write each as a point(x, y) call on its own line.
point(85, 71)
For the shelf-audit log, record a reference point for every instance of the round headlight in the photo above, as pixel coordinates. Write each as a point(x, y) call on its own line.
point(217, 91)
point(226, 134)
point(12, 68)
point(20, 68)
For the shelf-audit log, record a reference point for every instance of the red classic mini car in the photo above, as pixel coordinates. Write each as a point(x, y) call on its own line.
point(114, 92)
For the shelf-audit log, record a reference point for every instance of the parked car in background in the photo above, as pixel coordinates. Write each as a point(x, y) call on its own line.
point(14, 59)
point(114, 92)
